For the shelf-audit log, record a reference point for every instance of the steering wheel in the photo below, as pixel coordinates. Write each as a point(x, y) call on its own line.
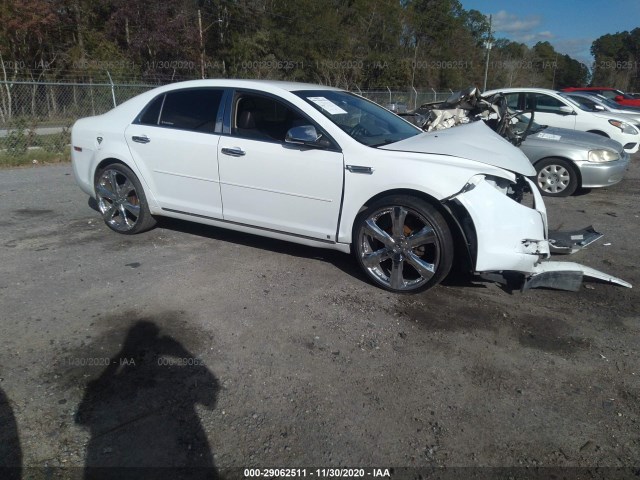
point(359, 130)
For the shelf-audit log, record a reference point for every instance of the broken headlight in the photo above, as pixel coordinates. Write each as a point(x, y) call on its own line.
point(514, 190)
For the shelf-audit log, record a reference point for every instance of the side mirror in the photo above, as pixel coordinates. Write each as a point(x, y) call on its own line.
point(303, 135)
point(566, 110)
point(618, 98)
point(598, 108)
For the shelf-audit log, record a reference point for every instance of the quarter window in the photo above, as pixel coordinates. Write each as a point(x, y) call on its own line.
point(151, 114)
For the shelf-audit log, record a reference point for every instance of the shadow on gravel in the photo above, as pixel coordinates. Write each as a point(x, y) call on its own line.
point(10, 451)
point(141, 411)
point(340, 260)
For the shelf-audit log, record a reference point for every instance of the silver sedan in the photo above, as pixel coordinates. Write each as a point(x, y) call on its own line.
point(566, 160)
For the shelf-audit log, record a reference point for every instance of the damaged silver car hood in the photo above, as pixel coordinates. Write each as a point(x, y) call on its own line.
point(474, 141)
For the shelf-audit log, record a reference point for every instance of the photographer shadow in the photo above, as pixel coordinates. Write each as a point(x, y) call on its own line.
point(141, 411)
point(10, 451)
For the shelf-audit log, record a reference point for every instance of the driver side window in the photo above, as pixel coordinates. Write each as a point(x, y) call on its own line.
point(263, 118)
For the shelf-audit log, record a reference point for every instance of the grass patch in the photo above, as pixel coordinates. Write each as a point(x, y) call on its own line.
point(36, 156)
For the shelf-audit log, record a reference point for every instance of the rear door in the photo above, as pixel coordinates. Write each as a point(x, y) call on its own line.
point(174, 144)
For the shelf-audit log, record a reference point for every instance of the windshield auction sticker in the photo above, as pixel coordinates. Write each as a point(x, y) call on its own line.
point(327, 105)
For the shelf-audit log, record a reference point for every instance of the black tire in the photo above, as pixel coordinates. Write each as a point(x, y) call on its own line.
point(392, 254)
point(121, 200)
point(556, 177)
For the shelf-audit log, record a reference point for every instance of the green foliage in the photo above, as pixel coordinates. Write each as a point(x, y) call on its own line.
point(17, 141)
point(34, 157)
point(355, 43)
point(58, 142)
point(617, 60)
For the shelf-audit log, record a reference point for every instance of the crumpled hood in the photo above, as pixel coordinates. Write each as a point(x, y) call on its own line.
point(474, 141)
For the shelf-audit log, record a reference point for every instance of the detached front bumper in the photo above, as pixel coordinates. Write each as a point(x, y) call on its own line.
point(566, 276)
point(512, 237)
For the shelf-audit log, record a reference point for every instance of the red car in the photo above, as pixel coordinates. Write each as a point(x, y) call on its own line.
point(617, 95)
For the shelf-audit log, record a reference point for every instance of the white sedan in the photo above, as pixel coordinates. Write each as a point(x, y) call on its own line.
point(323, 167)
point(556, 109)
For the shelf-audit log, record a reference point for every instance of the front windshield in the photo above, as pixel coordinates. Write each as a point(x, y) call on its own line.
point(364, 121)
point(615, 93)
point(608, 102)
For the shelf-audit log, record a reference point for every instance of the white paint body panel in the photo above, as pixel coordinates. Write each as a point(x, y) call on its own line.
point(180, 167)
point(282, 187)
point(510, 235)
point(549, 266)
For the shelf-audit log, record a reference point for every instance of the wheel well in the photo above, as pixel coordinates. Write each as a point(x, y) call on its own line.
point(574, 169)
point(598, 132)
point(105, 163)
point(458, 220)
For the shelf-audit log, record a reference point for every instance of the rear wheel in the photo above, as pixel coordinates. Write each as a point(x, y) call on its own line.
point(556, 177)
point(121, 200)
point(403, 244)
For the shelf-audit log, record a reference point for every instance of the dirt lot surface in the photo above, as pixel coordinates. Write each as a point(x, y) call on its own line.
point(193, 345)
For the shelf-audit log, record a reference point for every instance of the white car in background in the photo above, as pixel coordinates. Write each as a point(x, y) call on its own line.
point(598, 103)
point(323, 167)
point(555, 109)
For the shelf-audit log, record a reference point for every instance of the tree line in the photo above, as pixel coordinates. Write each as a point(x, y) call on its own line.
point(354, 44)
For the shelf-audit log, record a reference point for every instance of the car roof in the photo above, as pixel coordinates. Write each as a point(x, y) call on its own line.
point(522, 89)
point(577, 89)
point(252, 84)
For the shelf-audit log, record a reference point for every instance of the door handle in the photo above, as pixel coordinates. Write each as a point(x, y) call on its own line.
point(141, 139)
point(234, 152)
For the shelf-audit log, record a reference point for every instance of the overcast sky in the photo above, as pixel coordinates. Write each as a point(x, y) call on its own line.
point(569, 25)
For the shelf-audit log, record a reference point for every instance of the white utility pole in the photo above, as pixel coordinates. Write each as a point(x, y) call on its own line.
point(487, 44)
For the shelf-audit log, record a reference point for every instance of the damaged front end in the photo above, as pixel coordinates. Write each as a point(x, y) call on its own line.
point(510, 234)
point(503, 218)
point(468, 106)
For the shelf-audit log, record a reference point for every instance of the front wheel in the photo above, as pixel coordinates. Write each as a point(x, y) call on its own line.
point(556, 177)
point(121, 200)
point(403, 244)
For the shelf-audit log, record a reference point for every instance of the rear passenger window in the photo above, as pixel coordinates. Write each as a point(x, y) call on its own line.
point(194, 110)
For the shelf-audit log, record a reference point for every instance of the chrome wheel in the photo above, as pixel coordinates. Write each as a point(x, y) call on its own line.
point(121, 200)
point(404, 247)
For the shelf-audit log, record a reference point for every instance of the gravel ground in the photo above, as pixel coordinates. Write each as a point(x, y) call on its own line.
point(198, 346)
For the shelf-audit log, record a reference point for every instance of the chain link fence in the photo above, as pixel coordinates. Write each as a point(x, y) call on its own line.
point(403, 100)
point(36, 117)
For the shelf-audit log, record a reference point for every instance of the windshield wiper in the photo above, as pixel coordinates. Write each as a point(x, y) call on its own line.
point(385, 142)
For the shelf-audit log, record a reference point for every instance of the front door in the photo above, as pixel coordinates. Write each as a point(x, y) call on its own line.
point(271, 184)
